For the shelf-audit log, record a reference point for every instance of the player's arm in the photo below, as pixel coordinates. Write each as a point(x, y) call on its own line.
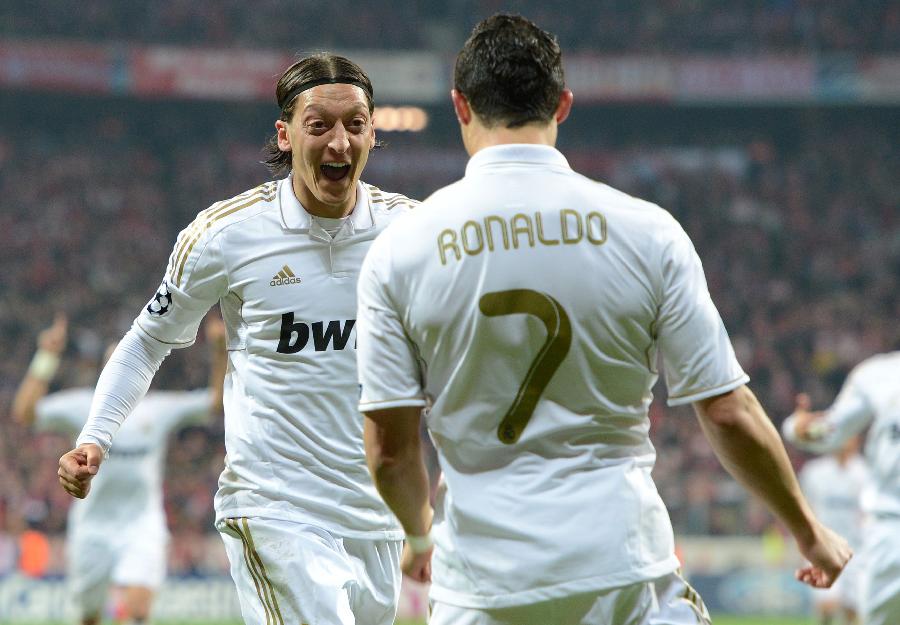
point(392, 398)
point(394, 455)
point(829, 430)
point(123, 382)
point(701, 368)
point(35, 384)
point(748, 446)
point(195, 280)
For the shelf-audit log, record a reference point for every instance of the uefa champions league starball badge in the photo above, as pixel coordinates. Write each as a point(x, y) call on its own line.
point(161, 302)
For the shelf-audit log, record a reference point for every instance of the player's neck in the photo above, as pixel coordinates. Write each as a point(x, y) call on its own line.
point(478, 137)
point(312, 205)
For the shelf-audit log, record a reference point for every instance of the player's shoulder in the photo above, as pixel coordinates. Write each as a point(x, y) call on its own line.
point(388, 205)
point(878, 366)
point(647, 218)
point(209, 223)
point(226, 212)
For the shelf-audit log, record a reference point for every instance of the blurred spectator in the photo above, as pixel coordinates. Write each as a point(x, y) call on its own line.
point(620, 26)
point(34, 553)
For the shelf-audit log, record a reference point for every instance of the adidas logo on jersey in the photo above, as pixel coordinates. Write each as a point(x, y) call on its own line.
point(285, 276)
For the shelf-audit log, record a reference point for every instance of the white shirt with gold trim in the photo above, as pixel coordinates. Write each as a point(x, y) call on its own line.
point(527, 304)
point(127, 495)
point(287, 293)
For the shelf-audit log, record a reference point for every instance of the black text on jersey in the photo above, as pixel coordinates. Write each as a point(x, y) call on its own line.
point(326, 335)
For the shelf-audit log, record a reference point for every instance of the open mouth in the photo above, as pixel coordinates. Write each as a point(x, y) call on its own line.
point(335, 171)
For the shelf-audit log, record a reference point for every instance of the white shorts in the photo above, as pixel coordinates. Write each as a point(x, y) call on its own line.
point(880, 578)
point(96, 561)
point(668, 600)
point(290, 573)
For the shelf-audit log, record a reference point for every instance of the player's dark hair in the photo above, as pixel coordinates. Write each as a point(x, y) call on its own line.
point(510, 71)
point(315, 69)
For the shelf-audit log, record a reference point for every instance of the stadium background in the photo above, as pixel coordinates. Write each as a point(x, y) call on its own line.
point(769, 128)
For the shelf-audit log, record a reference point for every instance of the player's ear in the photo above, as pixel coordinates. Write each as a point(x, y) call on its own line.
point(281, 134)
point(461, 107)
point(565, 105)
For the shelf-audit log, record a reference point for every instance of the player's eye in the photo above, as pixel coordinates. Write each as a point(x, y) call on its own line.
point(316, 127)
point(358, 125)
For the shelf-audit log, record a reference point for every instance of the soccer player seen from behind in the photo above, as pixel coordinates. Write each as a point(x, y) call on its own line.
point(308, 538)
point(528, 304)
point(870, 398)
point(118, 537)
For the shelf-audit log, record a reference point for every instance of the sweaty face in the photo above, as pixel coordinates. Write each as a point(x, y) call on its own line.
point(329, 135)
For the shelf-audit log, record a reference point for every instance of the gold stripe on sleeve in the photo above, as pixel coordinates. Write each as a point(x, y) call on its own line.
point(400, 199)
point(206, 225)
point(205, 216)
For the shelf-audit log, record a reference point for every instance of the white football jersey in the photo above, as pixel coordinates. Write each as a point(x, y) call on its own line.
point(527, 304)
point(127, 492)
point(869, 397)
point(287, 292)
point(833, 490)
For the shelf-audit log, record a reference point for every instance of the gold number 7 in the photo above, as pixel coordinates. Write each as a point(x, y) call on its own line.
point(548, 359)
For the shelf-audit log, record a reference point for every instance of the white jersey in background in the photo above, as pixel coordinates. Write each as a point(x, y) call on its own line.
point(127, 496)
point(833, 490)
point(870, 397)
point(287, 293)
point(579, 287)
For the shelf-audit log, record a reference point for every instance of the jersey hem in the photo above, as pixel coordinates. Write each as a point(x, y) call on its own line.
point(680, 400)
point(557, 591)
point(332, 528)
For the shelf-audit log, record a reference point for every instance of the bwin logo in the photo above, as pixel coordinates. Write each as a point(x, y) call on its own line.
point(295, 336)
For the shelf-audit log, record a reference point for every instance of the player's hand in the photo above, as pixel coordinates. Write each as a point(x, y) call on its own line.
point(807, 424)
point(78, 467)
point(53, 339)
point(828, 554)
point(416, 565)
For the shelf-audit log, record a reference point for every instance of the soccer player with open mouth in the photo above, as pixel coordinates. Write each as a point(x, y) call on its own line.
point(308, 537)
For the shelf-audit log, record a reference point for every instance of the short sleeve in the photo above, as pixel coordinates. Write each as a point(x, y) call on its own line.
point(65, 411)
point(195, 280)
point(389, 371)
point(698, 358)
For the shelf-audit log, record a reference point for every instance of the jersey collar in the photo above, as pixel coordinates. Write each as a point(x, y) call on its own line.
point(516, 154)
point(295, 218)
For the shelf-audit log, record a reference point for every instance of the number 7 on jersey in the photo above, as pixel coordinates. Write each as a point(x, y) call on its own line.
point(547, 360)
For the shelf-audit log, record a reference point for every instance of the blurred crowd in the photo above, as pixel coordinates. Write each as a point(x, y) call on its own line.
point(644, 26)
point(800, 239)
